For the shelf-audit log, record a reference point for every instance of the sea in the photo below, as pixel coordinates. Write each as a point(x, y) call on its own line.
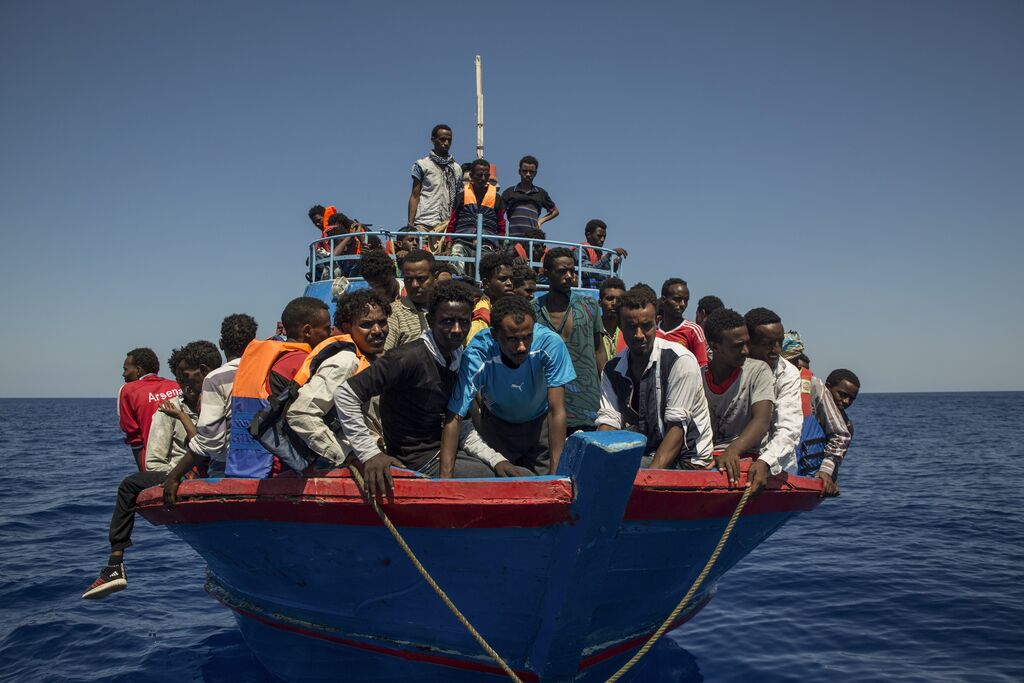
point(914, 573)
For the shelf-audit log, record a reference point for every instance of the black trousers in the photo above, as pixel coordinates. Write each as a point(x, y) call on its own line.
point(524, 444)
point(123, 520)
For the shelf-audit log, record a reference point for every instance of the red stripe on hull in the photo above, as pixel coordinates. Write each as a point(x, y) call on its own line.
point(635, 643)
point(380, 649)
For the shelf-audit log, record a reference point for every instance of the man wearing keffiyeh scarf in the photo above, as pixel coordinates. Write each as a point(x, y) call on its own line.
point(448, 165)
point(436, 179)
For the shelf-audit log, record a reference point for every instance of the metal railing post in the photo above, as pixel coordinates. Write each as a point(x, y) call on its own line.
point(579, 266)
point(479, 243)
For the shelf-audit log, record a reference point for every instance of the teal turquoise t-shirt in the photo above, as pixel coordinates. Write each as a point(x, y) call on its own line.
point(583, 396)
point(515, 395)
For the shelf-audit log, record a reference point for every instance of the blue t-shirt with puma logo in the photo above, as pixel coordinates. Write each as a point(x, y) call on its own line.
point(515, 395)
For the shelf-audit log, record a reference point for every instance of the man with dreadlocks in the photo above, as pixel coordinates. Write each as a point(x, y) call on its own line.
point(436, 179)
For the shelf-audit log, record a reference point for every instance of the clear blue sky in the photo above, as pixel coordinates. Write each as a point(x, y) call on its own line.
point(857, 167)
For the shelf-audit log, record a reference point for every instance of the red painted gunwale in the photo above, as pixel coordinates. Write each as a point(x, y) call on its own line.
point(688, 495)
point(334, 498)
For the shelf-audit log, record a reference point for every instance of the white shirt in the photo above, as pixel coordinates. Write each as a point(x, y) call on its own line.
point(778, 449)
point(166, 443)
point(685, 402)
point(213, 429)
point(315, 399)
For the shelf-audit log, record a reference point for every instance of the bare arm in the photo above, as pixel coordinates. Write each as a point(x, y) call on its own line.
point(414, 199)
point(749, 438)
point(600, 355)
point(449, 444)
point(556, 425)
point(170, 484)
point(669, 448)
point(341, 245)
point(549, 216)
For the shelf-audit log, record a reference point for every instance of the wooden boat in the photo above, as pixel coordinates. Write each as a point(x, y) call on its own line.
point(565, 576)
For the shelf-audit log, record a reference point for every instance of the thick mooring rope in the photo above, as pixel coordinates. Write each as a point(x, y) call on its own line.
point(689, 595)
point(357, 475)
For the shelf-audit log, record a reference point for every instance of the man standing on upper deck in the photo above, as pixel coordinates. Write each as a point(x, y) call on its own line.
point(740, 392)
point(675, 296)
point(139, 397)
point(478, 198)
point(576, 319)
point(525, 201)
point(778, 450)
point(436, 179)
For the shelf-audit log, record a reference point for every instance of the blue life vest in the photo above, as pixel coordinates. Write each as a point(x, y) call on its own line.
point(811, 450)
point(247, 458)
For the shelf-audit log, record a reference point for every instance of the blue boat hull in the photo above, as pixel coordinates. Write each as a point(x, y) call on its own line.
point(566, 590)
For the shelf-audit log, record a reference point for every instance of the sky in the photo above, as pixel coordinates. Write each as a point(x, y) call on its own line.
point(858, 167)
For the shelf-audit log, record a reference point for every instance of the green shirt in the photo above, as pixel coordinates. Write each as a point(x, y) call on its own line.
point(583, 396)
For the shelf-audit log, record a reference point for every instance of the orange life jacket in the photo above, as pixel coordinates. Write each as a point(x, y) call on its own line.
point(490, 197)
point(805, 390)
point(246, 457)
point(270, 426)
point(317, 356)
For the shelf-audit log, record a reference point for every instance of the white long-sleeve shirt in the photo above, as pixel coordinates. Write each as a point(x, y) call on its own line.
point(778, 449)
point(213, 429)
point(315, 399)
point(680, 402)
point(165, 445)
point(833, 423)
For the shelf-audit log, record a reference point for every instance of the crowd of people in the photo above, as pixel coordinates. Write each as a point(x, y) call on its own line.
point(452, 199)
point(430, 370)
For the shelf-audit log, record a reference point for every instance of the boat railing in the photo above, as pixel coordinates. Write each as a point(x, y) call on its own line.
point(325, 265)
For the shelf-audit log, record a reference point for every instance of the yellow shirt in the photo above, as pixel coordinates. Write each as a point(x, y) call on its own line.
point(479, 323)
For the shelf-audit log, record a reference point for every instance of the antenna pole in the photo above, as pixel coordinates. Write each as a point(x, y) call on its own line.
point(479, 111)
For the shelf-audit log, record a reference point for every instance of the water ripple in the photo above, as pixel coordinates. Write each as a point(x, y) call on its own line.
point(913, 574)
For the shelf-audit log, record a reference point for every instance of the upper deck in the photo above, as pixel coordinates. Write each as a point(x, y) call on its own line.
point(335, 257)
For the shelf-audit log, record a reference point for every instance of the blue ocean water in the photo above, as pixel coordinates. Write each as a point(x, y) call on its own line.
point(913, 574)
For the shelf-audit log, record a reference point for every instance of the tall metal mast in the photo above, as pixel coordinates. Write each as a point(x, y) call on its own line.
point(479, 111)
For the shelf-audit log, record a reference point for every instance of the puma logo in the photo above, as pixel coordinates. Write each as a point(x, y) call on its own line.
point(518, 386)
